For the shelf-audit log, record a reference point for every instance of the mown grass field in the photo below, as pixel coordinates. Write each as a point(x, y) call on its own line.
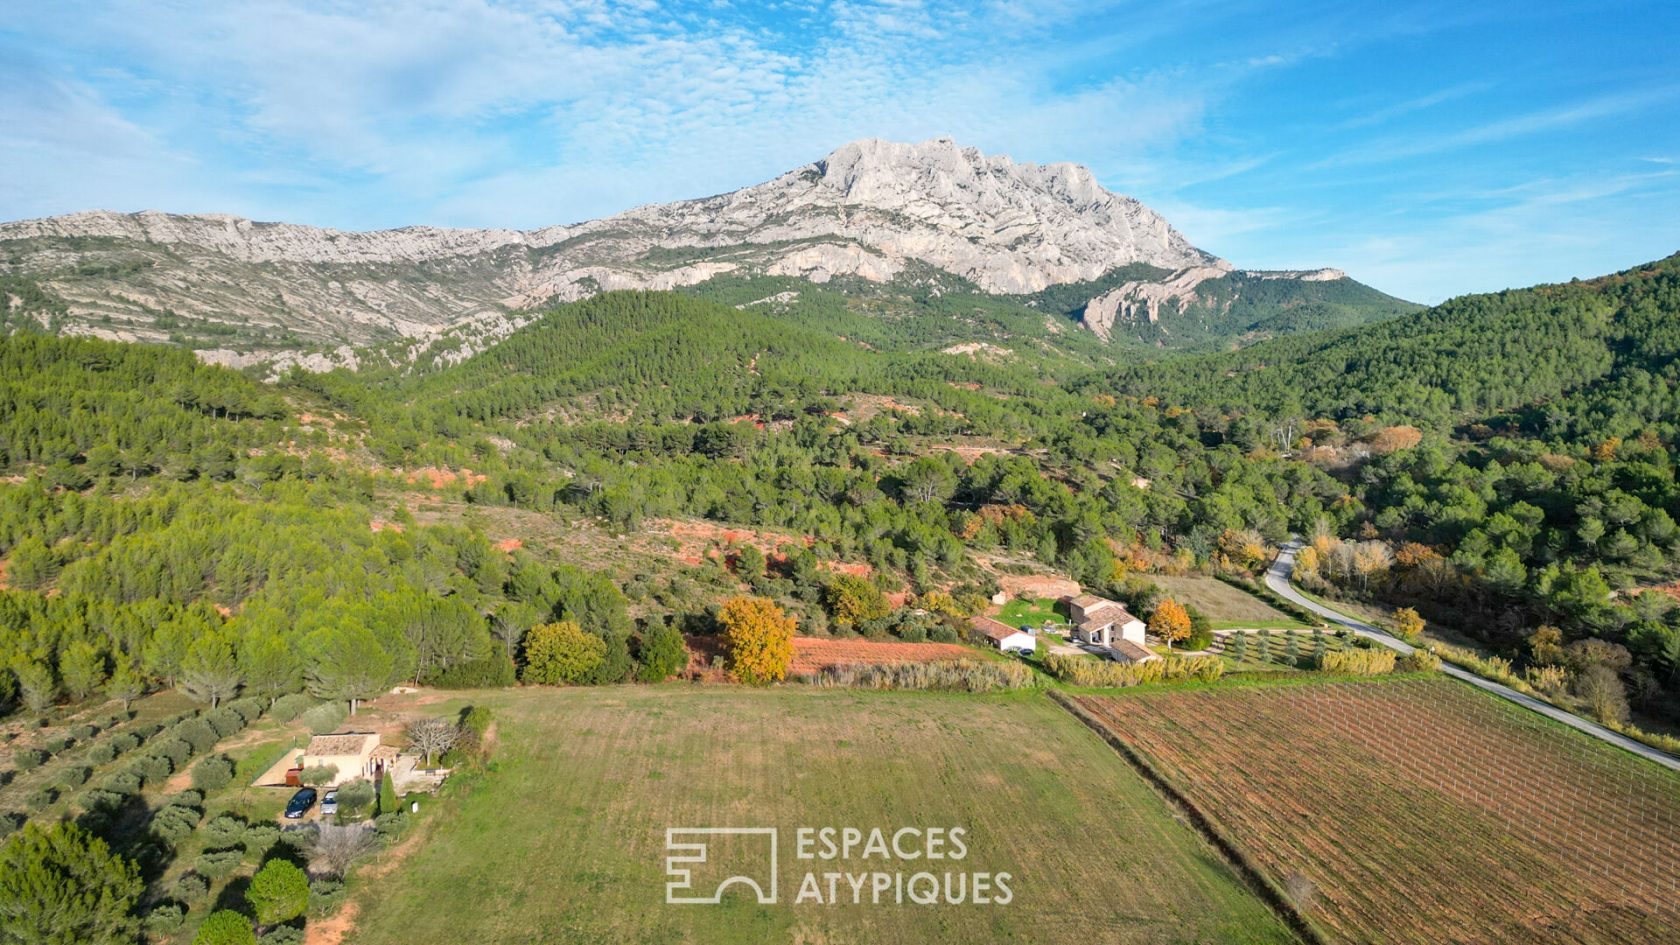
point(1421, 811)
point(1226, 606)
point(565, 840)
point(1033, 613)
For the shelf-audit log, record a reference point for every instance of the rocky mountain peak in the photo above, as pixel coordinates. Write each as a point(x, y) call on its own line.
point(872, 210)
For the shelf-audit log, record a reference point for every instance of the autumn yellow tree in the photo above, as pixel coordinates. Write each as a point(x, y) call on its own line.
point(1170, 622)
point(1408, 624)
point(759, 638)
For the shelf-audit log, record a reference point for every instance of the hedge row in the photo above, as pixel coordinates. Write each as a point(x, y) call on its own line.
point(1085, 671)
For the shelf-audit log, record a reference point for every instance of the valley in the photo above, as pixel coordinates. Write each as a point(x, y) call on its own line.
point(720, 513)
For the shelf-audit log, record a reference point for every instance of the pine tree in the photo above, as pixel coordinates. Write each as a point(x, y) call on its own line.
point(61, 885)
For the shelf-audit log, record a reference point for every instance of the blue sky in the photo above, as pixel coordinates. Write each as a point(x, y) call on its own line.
point(1427, 148)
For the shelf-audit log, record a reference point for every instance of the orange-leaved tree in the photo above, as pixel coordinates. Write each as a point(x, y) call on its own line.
point(759, 638)
point(1170, 622)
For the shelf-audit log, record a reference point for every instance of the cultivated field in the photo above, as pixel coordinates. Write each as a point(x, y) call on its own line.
point(814, 654)
point(1422, 811)
point(1225, 605)
point(565, 840)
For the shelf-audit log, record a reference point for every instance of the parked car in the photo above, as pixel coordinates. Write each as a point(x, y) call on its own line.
point(329, 803)
point(300, 803)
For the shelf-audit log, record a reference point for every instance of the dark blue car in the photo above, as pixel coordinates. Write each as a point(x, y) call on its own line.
point(300, 803)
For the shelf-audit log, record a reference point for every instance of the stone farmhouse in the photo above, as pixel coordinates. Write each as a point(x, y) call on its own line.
point(1098, 621)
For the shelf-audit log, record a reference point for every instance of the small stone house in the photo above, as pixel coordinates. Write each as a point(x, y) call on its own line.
point(1003, 636)
point(353, 754)
point(1099, 621)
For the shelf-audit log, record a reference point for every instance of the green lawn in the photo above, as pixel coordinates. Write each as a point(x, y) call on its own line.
point(565, 840)
point(1030, 613)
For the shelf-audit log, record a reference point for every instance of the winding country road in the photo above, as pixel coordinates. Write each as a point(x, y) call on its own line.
point(1277, 578)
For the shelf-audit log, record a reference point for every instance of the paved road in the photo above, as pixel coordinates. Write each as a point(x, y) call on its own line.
point(1277, 578)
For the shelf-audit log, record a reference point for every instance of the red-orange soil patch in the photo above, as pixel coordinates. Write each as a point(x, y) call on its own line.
point(814, 654)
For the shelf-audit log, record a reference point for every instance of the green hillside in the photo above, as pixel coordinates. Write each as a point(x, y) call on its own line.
point(1591, 358)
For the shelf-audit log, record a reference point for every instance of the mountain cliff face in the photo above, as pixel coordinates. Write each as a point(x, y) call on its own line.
point(873, 210)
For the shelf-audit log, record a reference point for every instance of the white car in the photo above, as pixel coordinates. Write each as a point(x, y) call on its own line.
point(329, 804)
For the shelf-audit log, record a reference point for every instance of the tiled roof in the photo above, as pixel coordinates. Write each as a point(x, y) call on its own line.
point(341, 743)
point(993, 630)
point(1131, 652)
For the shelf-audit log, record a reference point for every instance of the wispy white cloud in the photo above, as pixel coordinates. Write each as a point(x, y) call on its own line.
point(1270, 134)
point(1504, 129)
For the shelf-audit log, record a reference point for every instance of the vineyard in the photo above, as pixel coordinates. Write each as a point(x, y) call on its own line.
point(1421, 811)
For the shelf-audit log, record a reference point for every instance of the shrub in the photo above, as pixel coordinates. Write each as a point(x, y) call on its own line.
point(101, 799)
point(1236, 646)
point(10, 823)
point(325, 894)
point(224, 830)
point(224, 721)
point(164, 920)
point(198, 734)
point(83, 732)
point(27, 759)
point(212, 773)
point(325, 717)
point(561, 653)
point(218, 863)
point(126, 783)
point(282, 935)
point(259, 839)
point(492, 671)
point(955, 675)
point(225, 928)
point(288, 707)
point(279, 892)
point(661, 653)
point(1602, 690)
point(40, 799)
point(1408, 625)
point(74, 776)
point(102, 753)
point(248, 710)
point(124, 742)
point(355, 797)
point(758, 636)
point(56, 744)
point(152, 769)
point(388, 804)
point(318, 775)
point(1551, 680)
point(390, 824)
point(175, 750)
point(175, 822)
point(1418, 661)
point(1358, 662)
point(1085, 671)
point(191, 887)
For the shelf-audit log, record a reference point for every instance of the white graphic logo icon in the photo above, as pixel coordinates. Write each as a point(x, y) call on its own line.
point(687, 848)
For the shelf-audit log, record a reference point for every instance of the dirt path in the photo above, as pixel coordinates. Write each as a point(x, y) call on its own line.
point(335, 928)
point(181, 780)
